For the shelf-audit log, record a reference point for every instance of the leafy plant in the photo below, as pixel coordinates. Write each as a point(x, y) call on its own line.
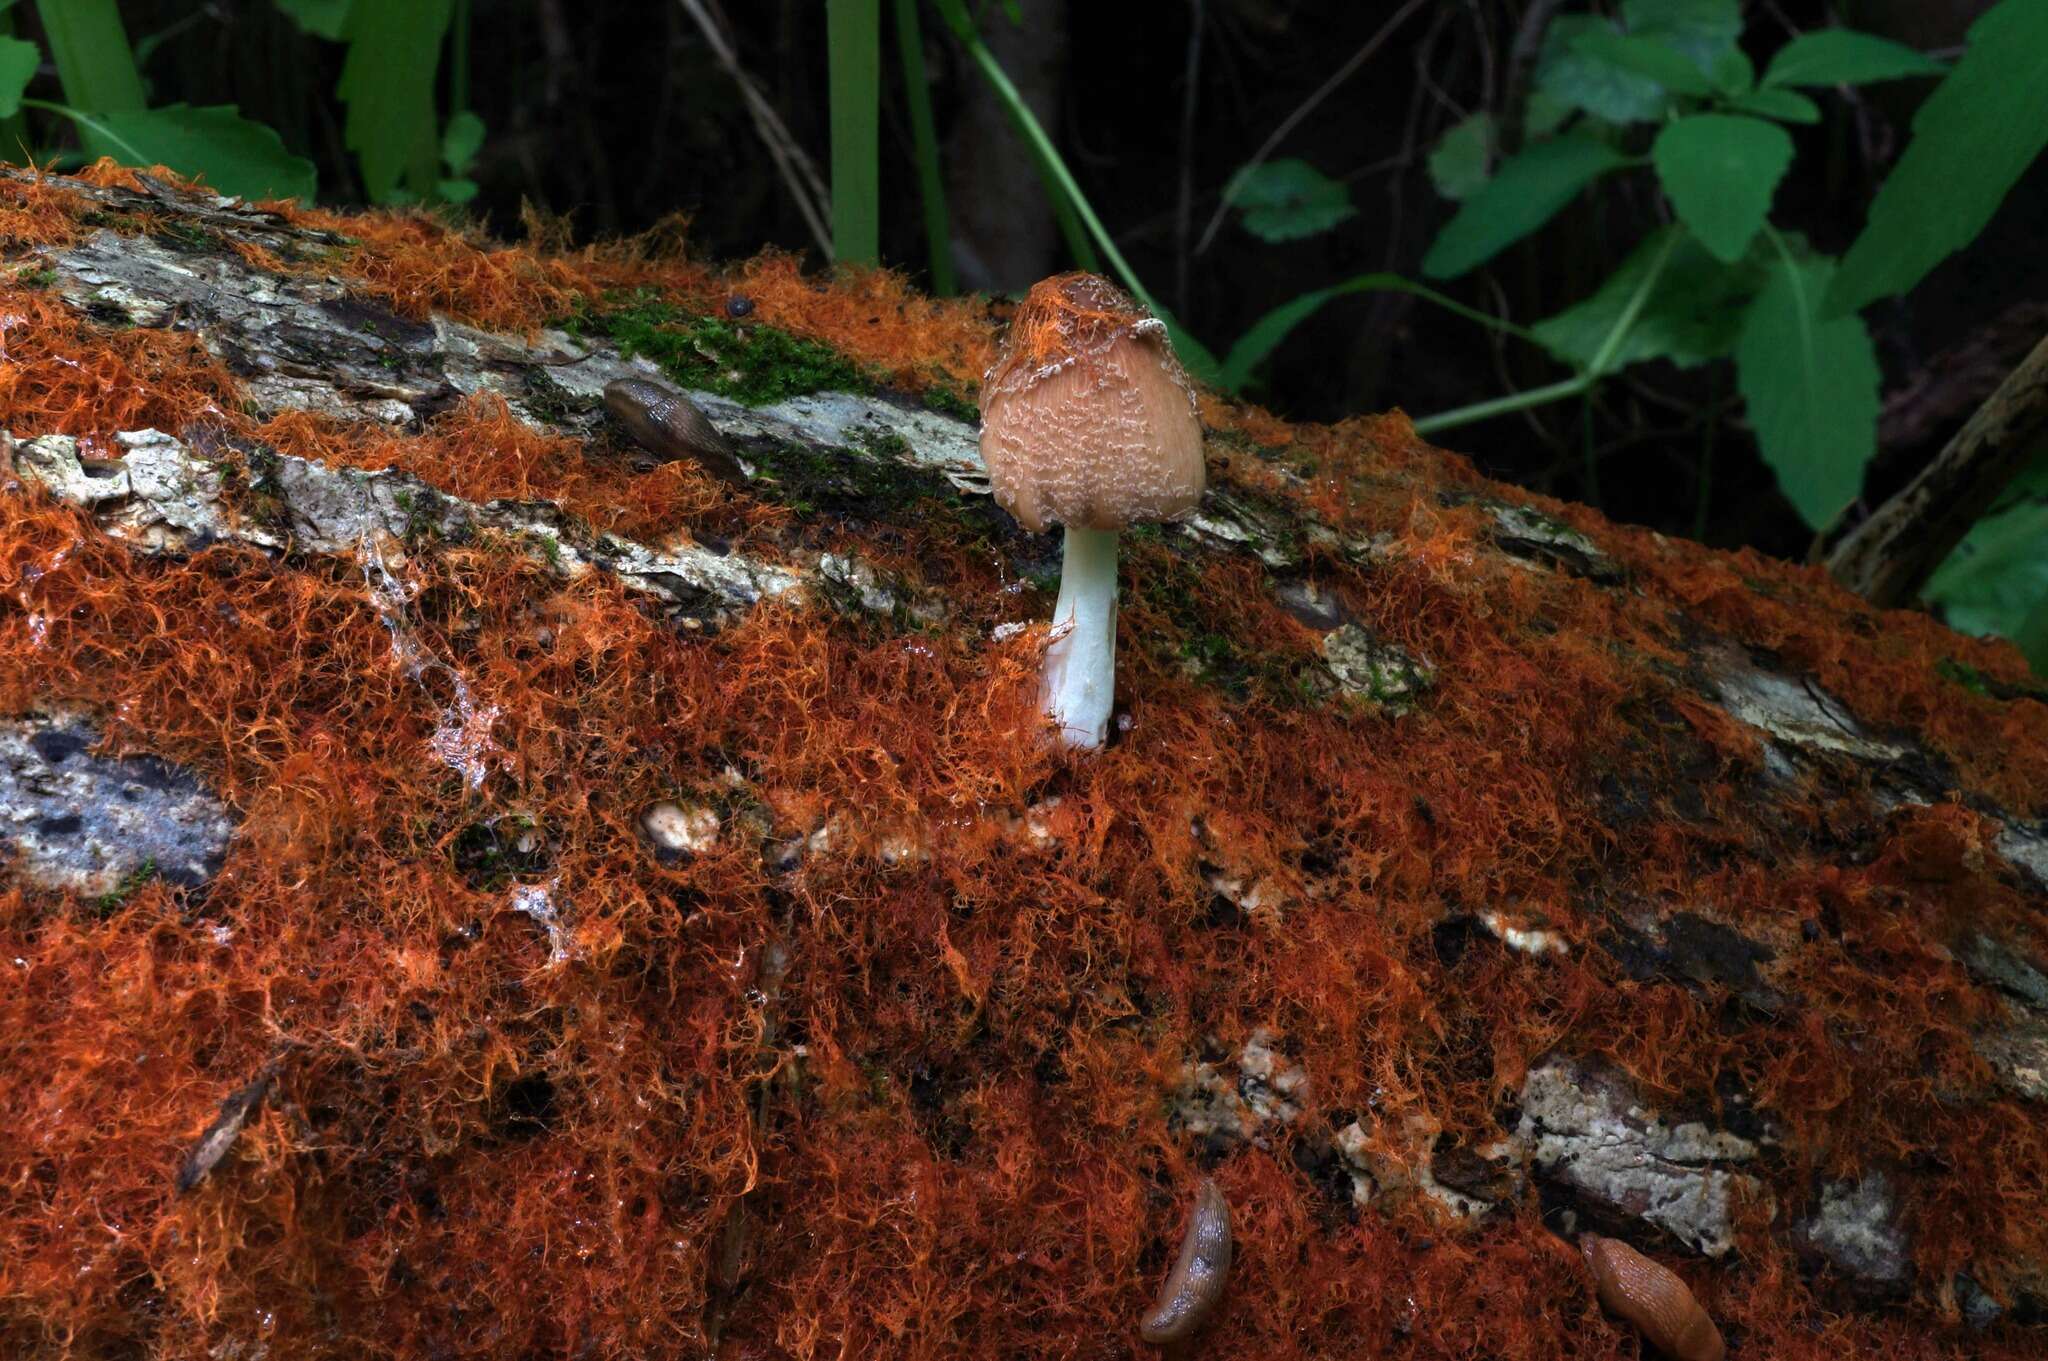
point(388, 85)
point(104, 101)
point(1288, 199)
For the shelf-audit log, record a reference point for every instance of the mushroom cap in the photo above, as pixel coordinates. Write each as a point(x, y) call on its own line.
point(1086, 416)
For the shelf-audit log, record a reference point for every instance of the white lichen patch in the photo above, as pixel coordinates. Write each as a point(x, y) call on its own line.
point(163, 496)
point(676, 829)
point(1232, 1100)
point(538, 902)
point(2018, 1053)
point(1795, 711)
point(102, 825)
point(1584, 1127)
point(1369, 669)
point(1524, 930)
point(1403, 1164)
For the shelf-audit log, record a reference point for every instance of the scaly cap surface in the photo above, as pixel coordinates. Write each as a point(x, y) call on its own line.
point(1087, 417)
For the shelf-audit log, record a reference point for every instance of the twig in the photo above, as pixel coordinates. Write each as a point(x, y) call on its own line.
point(1307, 106)
point(1888, 558)
point(1184, 214)
point(1522, 55)
point(798, 172)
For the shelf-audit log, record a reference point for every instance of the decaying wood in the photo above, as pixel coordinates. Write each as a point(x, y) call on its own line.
point(1889, 557)
point(1730, 748)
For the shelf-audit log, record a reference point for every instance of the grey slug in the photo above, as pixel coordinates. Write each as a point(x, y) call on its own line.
point(669, 426)
point(1194, 1287)
point(1653, 1298)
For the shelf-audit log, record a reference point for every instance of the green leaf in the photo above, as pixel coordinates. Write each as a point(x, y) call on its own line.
point(1543, 115)
point(18, 63)
point(1983, 125)
point(1287, 200)
point(455, 190)
point(1732, 73)
point(1842, 56)
point(1645, 57)
point(230, 152)
point(461, 140)
point(1701, 29)
point(387, 81)
point(321, 18)
point(1996, 580)
point(853, 62)
point(1693, 314)
point(1588, 83)
point(1811, 388)
point(90, 47)
point(1268, 331)
point(1721, 171)
point(1785, 105)
point(1462, 157)
point(1527, 191)
point(2032, 638)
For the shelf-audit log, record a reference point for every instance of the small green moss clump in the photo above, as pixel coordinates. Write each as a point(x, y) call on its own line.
point(752, 362)
point(949, 402)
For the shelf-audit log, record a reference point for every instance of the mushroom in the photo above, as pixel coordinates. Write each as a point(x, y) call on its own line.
point(1087, 419)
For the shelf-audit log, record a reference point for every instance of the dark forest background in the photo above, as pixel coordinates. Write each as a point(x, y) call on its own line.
point(612, 114)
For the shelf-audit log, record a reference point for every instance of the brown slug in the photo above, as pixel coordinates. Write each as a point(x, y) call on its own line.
point(1653, 1298)
point(668, 425)
point(1194, 1287)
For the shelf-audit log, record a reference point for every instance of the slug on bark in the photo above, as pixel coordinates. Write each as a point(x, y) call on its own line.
point(669, 426)
point(1653, 1298)
point(1194, 1287)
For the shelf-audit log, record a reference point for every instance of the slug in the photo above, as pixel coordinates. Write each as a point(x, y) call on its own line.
point(1194, 1287)
point(669, 426)
point(1655, 1300)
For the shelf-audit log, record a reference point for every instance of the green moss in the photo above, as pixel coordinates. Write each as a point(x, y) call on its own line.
point(947, 402)
point(548, 400)
point(250, 486)
point(1963, 674)
point(1172, 584)
point(877, 483)
point(110, 903)
point(1985, 686)
point(32, 276)
point(751, 363)
point(187, 236)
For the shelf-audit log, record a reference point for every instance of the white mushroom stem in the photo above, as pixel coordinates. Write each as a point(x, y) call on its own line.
point(1080, 662)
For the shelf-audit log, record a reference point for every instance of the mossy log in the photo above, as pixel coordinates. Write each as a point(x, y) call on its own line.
point(474, 891)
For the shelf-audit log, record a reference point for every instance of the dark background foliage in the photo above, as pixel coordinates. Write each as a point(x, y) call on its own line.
point(612, 115)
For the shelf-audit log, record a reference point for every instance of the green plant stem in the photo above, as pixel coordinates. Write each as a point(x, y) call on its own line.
point(1071, 231)
point(1501, 406)
point(917, 92)
point(1595, 370)
point(92, 54)
point(1264, 336)
point(1192, 352)
point(117, 147)
point(854, 47)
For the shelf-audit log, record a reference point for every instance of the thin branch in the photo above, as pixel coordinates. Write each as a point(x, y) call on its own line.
point(1307, 106)
point(797, 170)
point(1184, 214)
point(1888, 558)
point(1522, 55)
